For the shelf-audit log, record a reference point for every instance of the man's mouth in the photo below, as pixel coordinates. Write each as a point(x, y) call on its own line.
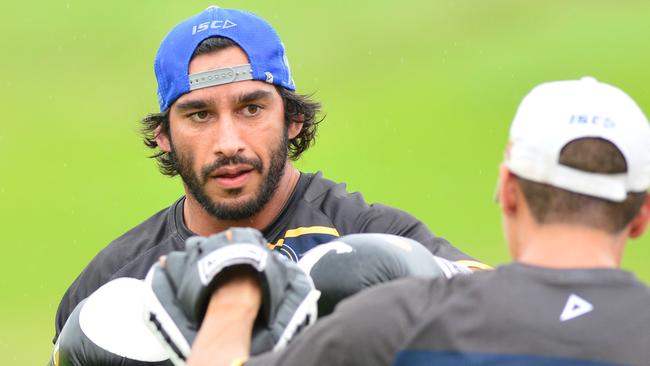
point(230, 177)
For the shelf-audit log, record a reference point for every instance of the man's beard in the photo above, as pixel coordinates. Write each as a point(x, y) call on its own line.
point(237, 210)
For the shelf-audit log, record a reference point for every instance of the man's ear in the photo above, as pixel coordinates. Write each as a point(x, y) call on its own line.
point(162, 140)
point(640, 222)
point(507, 191)
point(295, 126)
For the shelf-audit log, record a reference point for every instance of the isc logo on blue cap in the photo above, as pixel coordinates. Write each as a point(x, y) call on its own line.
point(215, 24)
point(253, 34)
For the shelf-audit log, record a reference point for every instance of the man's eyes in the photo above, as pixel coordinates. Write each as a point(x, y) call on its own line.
point(200, 116)
point(251, 110)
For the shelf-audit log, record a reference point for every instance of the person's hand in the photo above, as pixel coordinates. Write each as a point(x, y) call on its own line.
point(226, 330)
point(182, 286)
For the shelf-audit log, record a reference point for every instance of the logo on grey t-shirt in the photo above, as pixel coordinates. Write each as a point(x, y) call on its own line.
point(575, 307)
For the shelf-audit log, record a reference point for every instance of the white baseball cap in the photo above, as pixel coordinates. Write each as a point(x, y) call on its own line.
point(556, 113)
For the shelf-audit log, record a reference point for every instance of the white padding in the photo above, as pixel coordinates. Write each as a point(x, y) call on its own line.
point(309, 260)
point(112, 319)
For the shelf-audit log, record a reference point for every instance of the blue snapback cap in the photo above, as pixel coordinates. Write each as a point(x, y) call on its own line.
point(256, 37)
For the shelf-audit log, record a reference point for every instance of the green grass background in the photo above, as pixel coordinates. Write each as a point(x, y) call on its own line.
point(419, 95)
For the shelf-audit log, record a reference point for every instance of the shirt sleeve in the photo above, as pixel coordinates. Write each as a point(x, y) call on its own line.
point(385, 219)
point(366, 329)
point(351, 214)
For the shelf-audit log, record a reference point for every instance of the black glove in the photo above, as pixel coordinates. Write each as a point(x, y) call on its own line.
point(107, 328)
point(181, 291)
point(351, 263)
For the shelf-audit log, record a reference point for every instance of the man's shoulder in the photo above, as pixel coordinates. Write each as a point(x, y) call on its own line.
point(415, 300)
point(330, 204)
point(524, 284)
point(400, 295)
point(157, 230)
point(130, 255)
point(320, 210)
point(334, 198)
point(320, 188)
point(525, 310)
point(417, 293)
point(156, 226)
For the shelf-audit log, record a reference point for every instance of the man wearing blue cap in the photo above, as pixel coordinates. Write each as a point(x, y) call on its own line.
point(229, 124)
point(573, 189)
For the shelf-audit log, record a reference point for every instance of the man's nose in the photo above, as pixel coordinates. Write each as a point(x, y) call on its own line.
point(227, 137)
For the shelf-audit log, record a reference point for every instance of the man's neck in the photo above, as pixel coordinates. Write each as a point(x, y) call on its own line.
point(569, 246)
point(201, 222)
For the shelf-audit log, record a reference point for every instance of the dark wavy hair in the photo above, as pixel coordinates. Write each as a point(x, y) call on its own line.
point(297, 107)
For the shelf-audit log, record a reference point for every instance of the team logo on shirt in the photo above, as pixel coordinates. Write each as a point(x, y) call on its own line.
point(301, 239)
point(575, 306)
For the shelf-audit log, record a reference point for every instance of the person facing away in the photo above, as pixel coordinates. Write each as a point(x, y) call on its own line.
point(230, 124)
point(572, 190)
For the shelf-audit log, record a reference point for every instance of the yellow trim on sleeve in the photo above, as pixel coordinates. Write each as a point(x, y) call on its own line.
point(473, 265)
point(311, 230)
point(278, 244)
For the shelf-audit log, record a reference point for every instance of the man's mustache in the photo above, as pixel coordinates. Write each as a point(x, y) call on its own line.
point(230, 160)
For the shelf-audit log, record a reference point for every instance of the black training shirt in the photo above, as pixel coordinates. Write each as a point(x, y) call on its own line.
point(318, 211)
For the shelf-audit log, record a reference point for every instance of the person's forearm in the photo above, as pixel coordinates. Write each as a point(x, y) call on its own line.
point(225, 333)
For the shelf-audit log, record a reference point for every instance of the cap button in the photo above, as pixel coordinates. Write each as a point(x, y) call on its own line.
point(588, 79)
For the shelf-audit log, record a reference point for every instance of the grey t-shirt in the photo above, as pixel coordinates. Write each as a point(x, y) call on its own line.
point(514, 315)
point(317, 212)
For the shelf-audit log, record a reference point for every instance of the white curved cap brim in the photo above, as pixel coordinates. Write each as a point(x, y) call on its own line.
point(556, 113)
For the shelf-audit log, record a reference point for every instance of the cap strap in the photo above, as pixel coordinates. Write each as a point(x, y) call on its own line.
point(611, 187)
point(221, 76)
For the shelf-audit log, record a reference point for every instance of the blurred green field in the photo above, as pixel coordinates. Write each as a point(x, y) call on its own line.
point(419, 95)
